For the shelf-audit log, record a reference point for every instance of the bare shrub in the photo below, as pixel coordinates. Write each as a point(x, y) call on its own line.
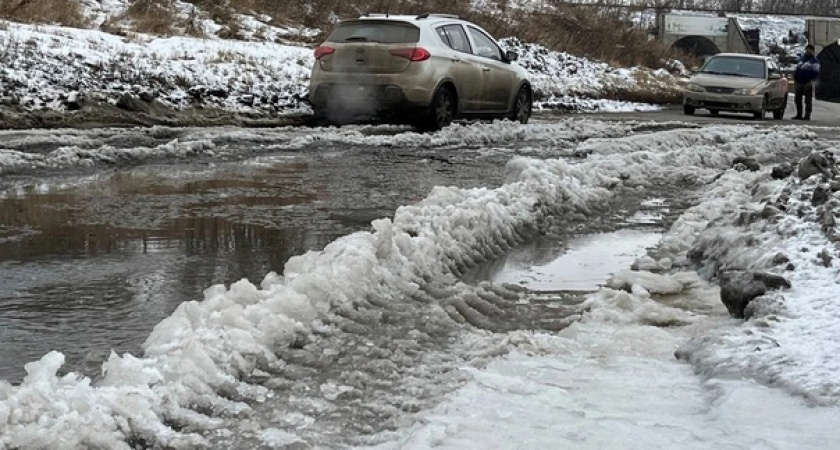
point(226, 14)
point(66, 12)
point(584, 32)
point(151, 16)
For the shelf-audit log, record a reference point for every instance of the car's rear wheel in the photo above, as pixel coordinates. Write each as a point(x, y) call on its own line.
point(779, 114)
point(688, 110)
point(442, 110)
point(714, 112)
point(322, 118)
point(522, 107)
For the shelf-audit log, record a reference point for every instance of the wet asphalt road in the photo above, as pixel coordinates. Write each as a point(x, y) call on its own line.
point(825, 114)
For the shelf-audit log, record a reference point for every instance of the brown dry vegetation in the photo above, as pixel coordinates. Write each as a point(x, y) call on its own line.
point(65, 12)
point(597, 33)
point(146, 16)
point(585, 31)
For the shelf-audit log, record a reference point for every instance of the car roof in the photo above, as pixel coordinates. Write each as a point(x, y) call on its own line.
point(421, 18)
point(743, 55)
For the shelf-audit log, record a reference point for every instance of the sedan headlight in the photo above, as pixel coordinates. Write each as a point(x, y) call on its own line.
point(748, 91)
point(694, 87)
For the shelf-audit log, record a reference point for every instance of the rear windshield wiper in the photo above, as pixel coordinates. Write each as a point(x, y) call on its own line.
point(358, 39)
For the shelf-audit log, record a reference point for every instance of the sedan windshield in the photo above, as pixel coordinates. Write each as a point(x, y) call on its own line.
point(734, 66)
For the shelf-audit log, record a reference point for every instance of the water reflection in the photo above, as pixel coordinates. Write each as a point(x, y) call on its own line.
point(583, 264)
point(92, 263)
point(86, 270)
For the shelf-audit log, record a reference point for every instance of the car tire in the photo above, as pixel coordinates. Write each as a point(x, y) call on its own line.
point(688, 110)
point(321, 118)
point(759, 115)
point(714, 112)
point(441, 111)
point(522, 106)
point(779, 114)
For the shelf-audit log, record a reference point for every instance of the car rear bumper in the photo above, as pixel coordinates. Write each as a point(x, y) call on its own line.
point(359, 100)
point(723, 102)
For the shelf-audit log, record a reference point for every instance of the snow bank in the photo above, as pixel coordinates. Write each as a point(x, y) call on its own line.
point(792, 339)
point(564, 81)
point(611, 379)
point(45, 67)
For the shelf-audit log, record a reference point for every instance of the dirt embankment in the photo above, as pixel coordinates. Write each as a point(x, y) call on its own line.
point(135, 112)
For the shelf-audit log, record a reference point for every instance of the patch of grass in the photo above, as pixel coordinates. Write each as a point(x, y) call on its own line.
point(65, 12)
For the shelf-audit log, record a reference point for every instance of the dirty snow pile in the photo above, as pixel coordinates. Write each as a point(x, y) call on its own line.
point(611, 380)
point(91, 148)
point(776, 32)
point(564, 81)
point(198, 363)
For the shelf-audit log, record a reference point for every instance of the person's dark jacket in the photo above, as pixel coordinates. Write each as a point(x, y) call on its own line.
point(807, 69)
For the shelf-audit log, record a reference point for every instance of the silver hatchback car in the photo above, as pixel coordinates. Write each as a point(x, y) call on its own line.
point(427, 70)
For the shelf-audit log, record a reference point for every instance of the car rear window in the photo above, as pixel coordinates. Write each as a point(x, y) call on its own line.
point(389, 32)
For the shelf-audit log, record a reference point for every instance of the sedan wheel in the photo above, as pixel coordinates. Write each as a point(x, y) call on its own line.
point(522, 107)
point(688, 110)
point(759, 115)
point(779, 114)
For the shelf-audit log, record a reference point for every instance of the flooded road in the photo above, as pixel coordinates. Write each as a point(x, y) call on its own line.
point(499, 233)
point(92, 260)
point(91, 263)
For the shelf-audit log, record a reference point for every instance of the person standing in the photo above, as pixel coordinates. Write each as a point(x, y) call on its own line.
point(806, 74)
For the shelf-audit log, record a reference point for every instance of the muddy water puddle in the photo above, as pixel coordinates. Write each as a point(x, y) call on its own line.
point(91, 264)
point(86, 273)
point(580, 265)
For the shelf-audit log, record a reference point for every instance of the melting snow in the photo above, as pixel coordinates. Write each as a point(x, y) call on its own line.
point(197, 361)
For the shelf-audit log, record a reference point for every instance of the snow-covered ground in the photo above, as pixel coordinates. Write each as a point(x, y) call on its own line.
point(45, 67)
point(609, 381)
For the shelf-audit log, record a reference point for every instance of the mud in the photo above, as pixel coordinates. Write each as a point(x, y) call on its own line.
point(98, 115)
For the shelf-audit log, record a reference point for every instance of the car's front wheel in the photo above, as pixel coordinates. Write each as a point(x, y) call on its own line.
point(688, 110)
point(441, 112)
point(759, 115)
point(779, 114)
point(522, 107)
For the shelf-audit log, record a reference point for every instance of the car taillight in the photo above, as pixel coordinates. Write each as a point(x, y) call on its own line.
point(412, 54)
point(323, 50)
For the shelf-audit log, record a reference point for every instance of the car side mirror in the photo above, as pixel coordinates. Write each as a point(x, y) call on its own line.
point(694, 69)
point(511, 56)
point(775, 76)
